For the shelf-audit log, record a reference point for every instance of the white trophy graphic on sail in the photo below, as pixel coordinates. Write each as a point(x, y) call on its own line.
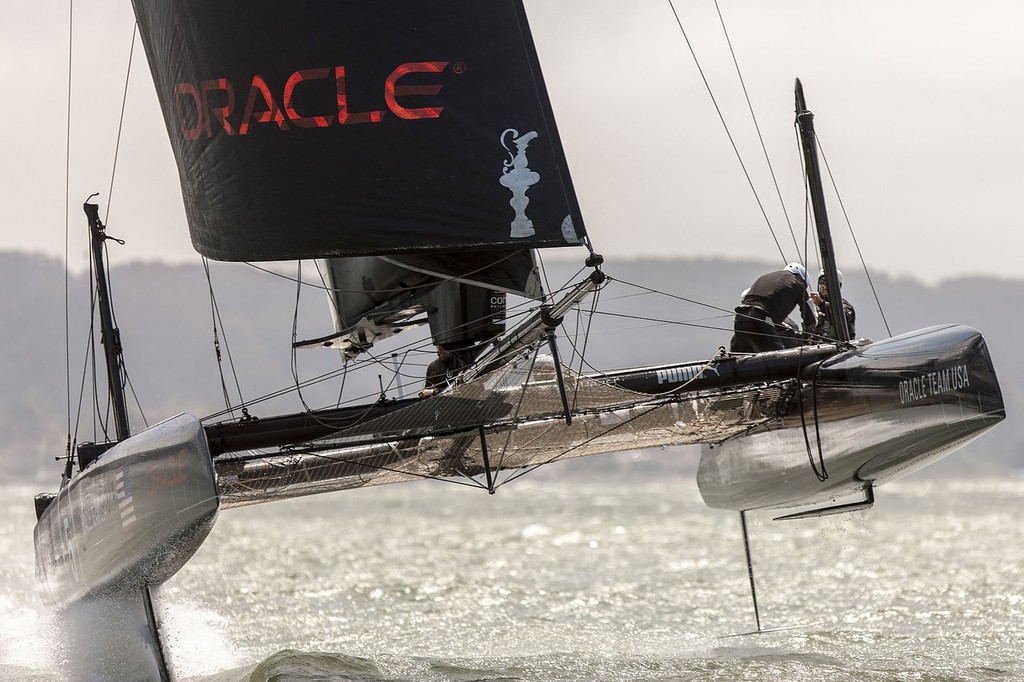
point(518, 177)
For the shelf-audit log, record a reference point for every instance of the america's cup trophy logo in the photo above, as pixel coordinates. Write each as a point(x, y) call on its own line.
point(518, 177)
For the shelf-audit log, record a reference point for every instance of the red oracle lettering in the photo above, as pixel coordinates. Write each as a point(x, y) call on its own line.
point(171, 472)
point(210, 106)
point(189, 90)
point(392, 90)
point(289, 90)
point(344, 116)
point(219, 113)
point(272, 114)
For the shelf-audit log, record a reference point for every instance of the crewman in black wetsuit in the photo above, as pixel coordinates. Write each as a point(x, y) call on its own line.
point(440, 371)
point(767, 303)
point(823, 330)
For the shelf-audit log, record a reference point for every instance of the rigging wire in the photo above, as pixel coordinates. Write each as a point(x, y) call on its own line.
point(122, 370)
point(667, 397)
point(283, 391)
point(728, 133)
point(808, 209)
point(219, 322)
point(846, 218)
point(299, 281)
point(371, 359)
point(521, 310)
point(335, 302)
point(86, 366)
point(853, 236)
point(120, 123)
point(67, 248)
point(447, 278)
point(344, 378)
point(662, 322)
point(519, 407)
point(97, 417)
point(295, 331)
point(516, 473)
point(504, 450)
point(753, 117)
point(120, 374)
point(358, 364)
point(466, 481)
point(677, 297)
point(586, 338)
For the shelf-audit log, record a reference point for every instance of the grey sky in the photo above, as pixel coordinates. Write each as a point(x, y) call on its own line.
point(918, 105)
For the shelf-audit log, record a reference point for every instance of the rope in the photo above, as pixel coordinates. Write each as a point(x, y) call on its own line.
point(821, 475)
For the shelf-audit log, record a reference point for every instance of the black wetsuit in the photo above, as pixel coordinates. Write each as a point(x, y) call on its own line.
point(823, 330)
point(439, 372)
point(770, 299)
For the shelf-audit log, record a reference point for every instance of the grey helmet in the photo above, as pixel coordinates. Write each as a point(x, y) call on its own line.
point(797, 269)
point(839, 274)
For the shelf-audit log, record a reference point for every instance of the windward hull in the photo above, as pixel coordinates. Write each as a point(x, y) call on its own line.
point(132, 518)
point(125, 524)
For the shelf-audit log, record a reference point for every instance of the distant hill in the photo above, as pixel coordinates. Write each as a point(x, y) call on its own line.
point(166, 323)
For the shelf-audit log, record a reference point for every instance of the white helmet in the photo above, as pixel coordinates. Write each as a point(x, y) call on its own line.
point(797, 269)
point(839, 274)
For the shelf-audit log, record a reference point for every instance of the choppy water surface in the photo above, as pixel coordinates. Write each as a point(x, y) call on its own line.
point(576, 581)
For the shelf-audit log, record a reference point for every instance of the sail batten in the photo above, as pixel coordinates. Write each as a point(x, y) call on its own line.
point(353, 129)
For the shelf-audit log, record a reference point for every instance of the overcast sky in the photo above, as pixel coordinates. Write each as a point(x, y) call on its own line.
point(919, 106)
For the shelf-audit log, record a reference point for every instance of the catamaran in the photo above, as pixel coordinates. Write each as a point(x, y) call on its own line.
point(412, 148)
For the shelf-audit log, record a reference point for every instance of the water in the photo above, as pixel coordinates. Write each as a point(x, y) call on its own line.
point(575, 581)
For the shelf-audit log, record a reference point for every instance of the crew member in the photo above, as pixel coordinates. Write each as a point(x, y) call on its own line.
point(767, 303)
point(824, 330)
point(444, 368)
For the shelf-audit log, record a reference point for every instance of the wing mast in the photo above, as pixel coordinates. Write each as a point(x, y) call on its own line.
point(805, 121)
point(109, 335)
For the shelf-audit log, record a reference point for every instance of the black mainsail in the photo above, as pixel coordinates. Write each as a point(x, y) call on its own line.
point(357, 128)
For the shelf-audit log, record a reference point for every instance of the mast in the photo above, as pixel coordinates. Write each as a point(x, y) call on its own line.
point(110, 337)
point(805, 121)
